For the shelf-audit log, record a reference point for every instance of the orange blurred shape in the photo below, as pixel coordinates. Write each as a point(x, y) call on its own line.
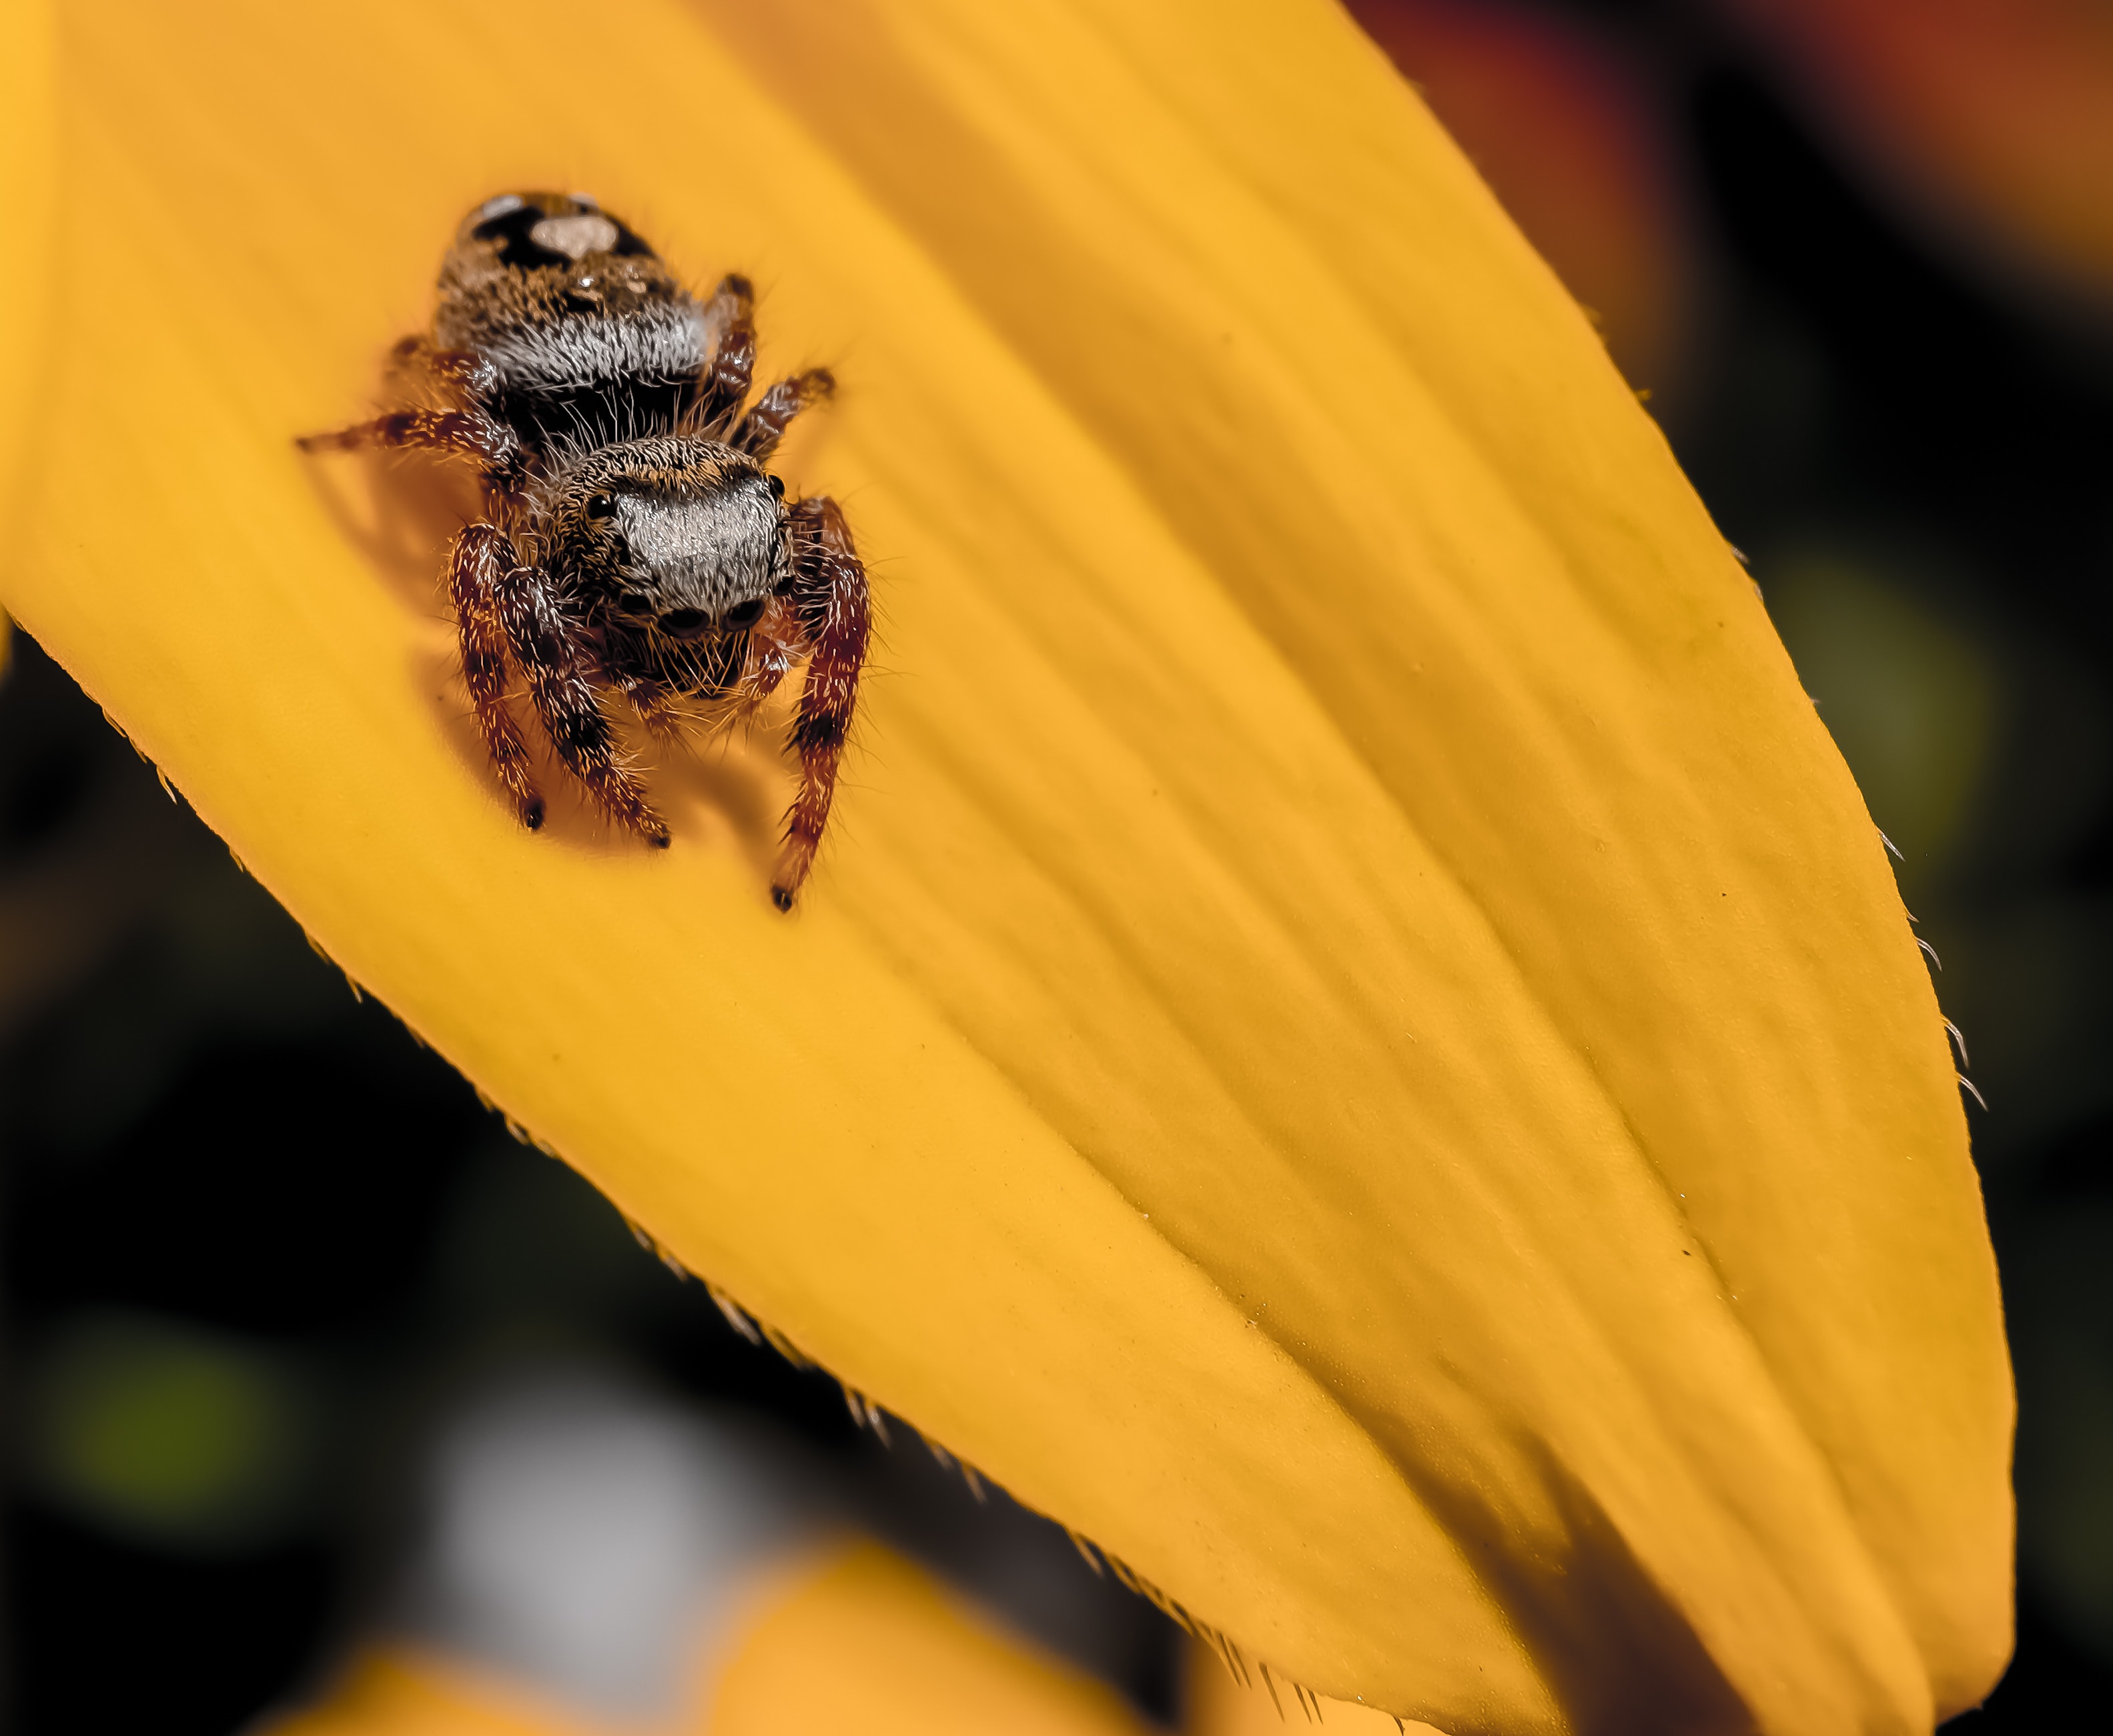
point(1995, 115)
point(858, 1639)
point(872, 1644)
point(400, 1692)
point(1570, 139)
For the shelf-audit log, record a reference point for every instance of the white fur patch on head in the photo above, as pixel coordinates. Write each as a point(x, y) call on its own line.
point(706, 551)
point(576, 236)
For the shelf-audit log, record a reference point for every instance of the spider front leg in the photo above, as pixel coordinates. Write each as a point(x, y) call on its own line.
point(554, 653)
point(462, 433)
point(834, 610)
point(482, 555)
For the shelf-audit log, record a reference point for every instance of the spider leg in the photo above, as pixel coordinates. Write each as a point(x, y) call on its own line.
point(834, 609)
point(731, 313)
point(773, 642)
point(481, 553)
point(758, 431)
point(464, 370)
point(548, 647)
point(655, 705)
point(460, 433)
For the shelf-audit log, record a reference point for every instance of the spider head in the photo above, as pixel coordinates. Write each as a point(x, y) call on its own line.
point(692, 550)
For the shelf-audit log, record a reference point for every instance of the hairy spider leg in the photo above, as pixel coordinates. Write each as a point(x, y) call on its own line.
point(772, 643)
point(654, 703)
point(464, 370)
point(481, 553)
point(835, 610)
point(731, 313)
point(551, 651)
point(461, 433)
point(759, 431)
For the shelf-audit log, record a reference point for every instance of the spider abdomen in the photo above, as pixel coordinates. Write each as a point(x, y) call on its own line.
point(588, 338)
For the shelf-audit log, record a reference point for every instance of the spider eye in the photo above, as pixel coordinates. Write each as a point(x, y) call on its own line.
point(601, 506)
point(745, 615)
point(635, 602)
point(777, 486)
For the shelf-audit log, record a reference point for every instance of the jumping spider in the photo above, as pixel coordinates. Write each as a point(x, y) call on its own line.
point(632, 538)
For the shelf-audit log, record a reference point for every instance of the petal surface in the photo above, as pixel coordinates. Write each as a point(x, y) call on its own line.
point(29, 170)
point(1354, 1042)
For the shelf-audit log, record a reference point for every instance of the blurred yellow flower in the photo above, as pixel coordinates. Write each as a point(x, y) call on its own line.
point(850, 1637)
point(1354, 1041)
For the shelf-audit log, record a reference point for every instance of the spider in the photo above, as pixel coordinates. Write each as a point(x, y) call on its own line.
point(632, 539)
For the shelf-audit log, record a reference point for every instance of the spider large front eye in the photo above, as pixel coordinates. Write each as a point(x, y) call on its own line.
point(635, 602)
point(742, 616)
point(601, 507)
point(777, 486)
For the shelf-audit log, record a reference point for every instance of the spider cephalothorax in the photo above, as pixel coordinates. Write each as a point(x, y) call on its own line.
point(632, 539)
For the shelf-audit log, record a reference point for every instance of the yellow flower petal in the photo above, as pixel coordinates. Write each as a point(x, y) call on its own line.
point(1218, 1704)
point(855, 1639)
point(393, 1692)
point(28, 170)
point(1567, 134)
point(1353, 1042)
point(864, 1641)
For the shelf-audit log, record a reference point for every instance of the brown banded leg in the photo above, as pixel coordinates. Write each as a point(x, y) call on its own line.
point(462, 370)
point(761, 429)
point(835, 613)
point(547, 647)
point(461, 433)
point(732, 313)
point(483, 553)
point(655, 705)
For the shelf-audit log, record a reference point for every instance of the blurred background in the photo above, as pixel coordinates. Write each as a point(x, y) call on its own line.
point(276, 1284)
